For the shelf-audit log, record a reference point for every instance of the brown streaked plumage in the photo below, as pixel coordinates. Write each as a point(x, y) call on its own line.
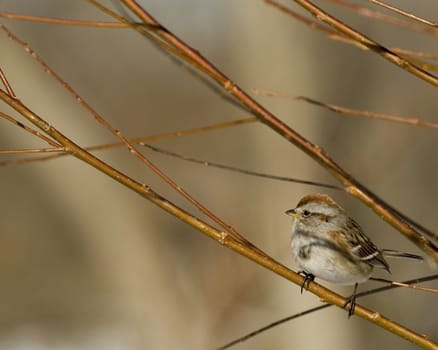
point(323, 198)
point(330, 245)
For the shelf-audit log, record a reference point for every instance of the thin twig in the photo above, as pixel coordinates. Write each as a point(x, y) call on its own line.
point(6, 84)
point(31, 150)
point(400, 22)
point(404, 13)
point(240, 170)
point(63, 21)
point(367, 114)
point(320, 307)
point(177, 57)
point(137, 140)
point(334, 35)
point(363, 40)
point(413, 54)
point(349, 111)
point(405, 285)
point(28, 129)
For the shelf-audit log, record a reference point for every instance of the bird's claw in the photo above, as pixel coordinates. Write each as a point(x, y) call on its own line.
point(308, 277)
point(352, 302)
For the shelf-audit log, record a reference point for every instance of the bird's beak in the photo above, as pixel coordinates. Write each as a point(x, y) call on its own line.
point(291, 212)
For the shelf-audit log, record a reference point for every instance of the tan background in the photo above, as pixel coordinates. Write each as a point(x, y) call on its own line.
point(85, 263)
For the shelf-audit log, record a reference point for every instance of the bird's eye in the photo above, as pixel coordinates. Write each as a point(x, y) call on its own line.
point(306, 213)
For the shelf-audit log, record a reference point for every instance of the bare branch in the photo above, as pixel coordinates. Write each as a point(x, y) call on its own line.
point(321, 307)
point(350, 184)
point(404, 13)
point(365, 41)
point(70, 22)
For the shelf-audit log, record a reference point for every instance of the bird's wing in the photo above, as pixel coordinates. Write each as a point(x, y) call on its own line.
point(362, 246)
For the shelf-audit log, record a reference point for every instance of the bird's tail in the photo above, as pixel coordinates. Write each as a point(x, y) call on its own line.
point(402, 255)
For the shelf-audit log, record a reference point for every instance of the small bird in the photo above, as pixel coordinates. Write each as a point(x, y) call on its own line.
point(328, 244)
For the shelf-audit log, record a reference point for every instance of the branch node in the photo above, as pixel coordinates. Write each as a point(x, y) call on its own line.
point(223, 237)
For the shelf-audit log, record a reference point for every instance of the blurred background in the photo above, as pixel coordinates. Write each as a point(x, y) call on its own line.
point(87, 264)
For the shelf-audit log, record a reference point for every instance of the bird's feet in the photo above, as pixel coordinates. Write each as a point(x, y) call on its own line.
point(351, 300)
point(308, 277)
